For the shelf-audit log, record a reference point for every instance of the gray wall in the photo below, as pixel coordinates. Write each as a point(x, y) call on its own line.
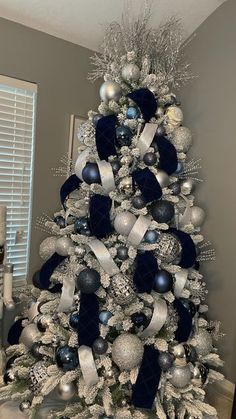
point(60, 69)
point(209, 105)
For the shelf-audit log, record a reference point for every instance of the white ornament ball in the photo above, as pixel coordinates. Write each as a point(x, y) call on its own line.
point(202, 341)
point(174, 116)
point(162, 178)
point(66, 391)
point(187, 186)
point(110, 90)
point(124, 222)
point(29, 335)
point(130, 72)
point(182, 139)
point(197, 216)
point(180, 376)
point(63, 246)
point(127, 351)
point(47, 247)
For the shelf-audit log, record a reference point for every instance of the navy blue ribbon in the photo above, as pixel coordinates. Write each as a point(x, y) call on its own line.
point(146, 268)
point(188, 255)
point(146, 386)
point(72, 183)
point(146, 102)
point(167, 155)
point(106, 137)
point(42, 279)
point(148, 184)
point(99, 219)
point(88, 325)
point(184, 322)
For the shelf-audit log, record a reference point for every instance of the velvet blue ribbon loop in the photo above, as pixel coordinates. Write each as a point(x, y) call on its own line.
point(146, 386)
point(188, 255)
point(99, 219)
point(72, 183)
point(146, 102)
point(15, 332)
point(46, 271)
point(106, 137)
point(148, 184)
point(146, 268)
point(88, 326)
point(184, 322)
point(167, 155)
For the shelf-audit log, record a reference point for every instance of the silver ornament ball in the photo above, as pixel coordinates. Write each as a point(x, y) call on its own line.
point(178, 351)
point(66, 391)
point(130, 72)
point(126, 185)
point(124, 222)
point(202, 342)
point(47, 247)
point(182, 139)
point(162, 178)
point(180, 376)
point(29, 335)
point(127, 351)
point(197, 216)
point(168, 247)
point(25, 406)
point(187, 186)
point(63, 246)
point(110, 90)
point(121, 289)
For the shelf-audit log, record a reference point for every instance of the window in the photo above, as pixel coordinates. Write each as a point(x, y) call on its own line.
point(17, 132)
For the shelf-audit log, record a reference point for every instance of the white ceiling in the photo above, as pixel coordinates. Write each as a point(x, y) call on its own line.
point(82, 21)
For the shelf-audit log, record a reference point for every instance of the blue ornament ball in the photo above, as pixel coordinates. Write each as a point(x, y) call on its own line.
point(189, 305)
point(163, 282)
point(81, 226)
point(96, 117)
point(60, 221)
point(91, 174)
point(132, 113)
point(151, 236)
point(139, 319)
point(88, 281)
point(67, 358)
point(74, 320)
point(180, 168)
point(123, 135)
point(104, 316)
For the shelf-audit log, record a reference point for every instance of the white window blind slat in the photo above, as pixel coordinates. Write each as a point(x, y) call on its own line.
point(17, 126)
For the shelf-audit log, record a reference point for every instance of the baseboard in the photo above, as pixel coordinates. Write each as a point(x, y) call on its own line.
point(225, 388)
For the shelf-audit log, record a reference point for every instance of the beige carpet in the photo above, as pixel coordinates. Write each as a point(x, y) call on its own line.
point(221, 398)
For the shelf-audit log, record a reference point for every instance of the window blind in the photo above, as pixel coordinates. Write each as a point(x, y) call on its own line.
point(17, 132)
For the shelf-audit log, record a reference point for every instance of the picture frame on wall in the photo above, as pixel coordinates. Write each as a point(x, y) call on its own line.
point(75, 122)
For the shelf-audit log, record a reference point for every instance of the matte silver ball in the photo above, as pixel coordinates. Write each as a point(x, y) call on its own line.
point(130, 72)
point(162, 178)
point(197, 216)
point(124, 222)
point(110, 90)
point(180, 376)
point(47, 247)
point(127, 351)
point(182, 139)
point(29, 335)
point(63, 246)
point(202, 342)
point(187, 186)
point(66, 391)
point(25, 406)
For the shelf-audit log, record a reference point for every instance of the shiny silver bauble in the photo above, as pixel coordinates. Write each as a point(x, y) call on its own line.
point(66, 391)
point(130, 72)
point(63, 246)
point(197, 216)
point(124, 222)
point(126, 185)
point(29, 335)
point(127, 351)
point(180, 376)
point(178, 351)
point(110, 90)
point(162, 178)
point(182, 139)
point(121, 289)
point(187, 186)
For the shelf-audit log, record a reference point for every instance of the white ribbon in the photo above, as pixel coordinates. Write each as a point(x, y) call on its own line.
point(107, 176)
point(138, 230)
point(158, 319)
point(180, 281)
point(67, 294)
point(146, 137)
point(81, 162)
point(104, 257)
point(185, 219)
point(87, 365)
point(33, 311)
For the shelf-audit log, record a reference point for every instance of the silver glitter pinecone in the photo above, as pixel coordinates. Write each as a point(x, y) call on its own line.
point(169, 248)
point(85, 131)
point(121, 289)
point(38, 375)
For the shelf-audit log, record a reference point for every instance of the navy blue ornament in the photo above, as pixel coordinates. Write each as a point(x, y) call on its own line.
point(162, 211)
point(188, 304)
point(100, 346)
point(163, 282)
point(122, 252)
point(81, 226)
point(91, 174)
point(96, 118)
point(180, 168)
point(139, 202)
point(88, 281)
point(60, 221)
point(104, 316)
point(139, 319)
point(160, 130)
point(115, 165)
point(175, 188)
point(165, 360)
point(74, 320)
point(151, 236)
point(132, 113)
point(123, 136)
point(67, 358)
point(150, 159)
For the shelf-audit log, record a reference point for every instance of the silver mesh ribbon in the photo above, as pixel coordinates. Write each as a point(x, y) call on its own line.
point(158, 319)
point(139, 229)
point(146, 138)
point(180, 281)
point(81, 162)
point(87, 365)
point(104, 257)
point(106, 174)
point(67, 294)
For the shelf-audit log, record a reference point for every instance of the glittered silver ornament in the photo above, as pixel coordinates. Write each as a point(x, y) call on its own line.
point(180, 376)
point(47, 247)
point(38, 375)
point(63, 246)
point(197, 216)
point(121, 289)
point(110, 90)
point(124, 222)
point(202, 342)
point(162, 178)
point(174, 116)
point(187, 186)
point(168, 247)
point(29, 335)
point(66, 391)
point(165, 360)
point(127, 351)
point(126, 185)
point(182, 139)
point(25, 406)
point(130, 72)
point(85, 131)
